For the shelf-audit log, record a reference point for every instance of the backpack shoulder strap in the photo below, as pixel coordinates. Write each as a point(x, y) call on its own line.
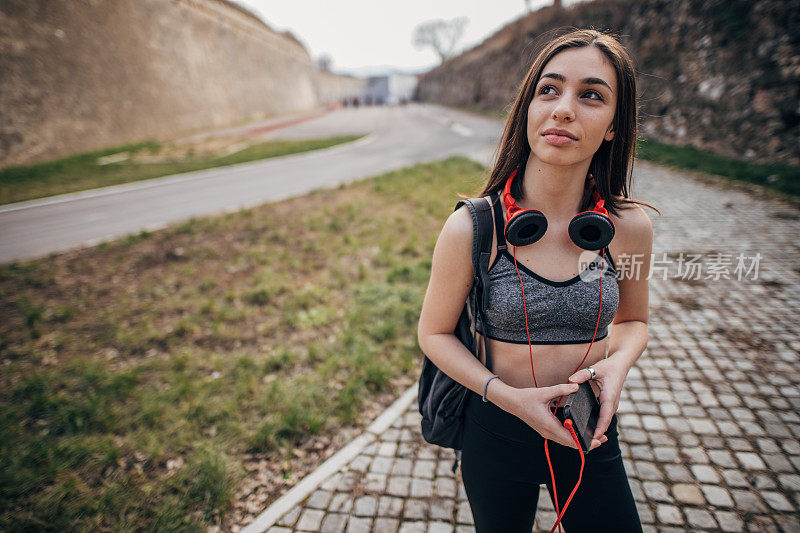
point(481, 212)
point(499, 222)
point(482, 224)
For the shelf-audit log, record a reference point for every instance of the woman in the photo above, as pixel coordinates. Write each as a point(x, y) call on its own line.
point(582, 83)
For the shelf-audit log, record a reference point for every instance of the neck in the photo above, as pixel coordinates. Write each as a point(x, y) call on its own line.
point(555, 190)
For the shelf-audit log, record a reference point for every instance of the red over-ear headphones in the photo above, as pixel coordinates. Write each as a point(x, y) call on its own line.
point(590, 230)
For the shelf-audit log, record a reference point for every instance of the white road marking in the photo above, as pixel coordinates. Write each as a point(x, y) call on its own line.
point(461, 129)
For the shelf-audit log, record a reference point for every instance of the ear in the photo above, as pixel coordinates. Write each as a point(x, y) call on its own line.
point(609, 134)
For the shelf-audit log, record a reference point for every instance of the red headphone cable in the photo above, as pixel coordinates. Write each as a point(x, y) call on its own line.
point(567, 423)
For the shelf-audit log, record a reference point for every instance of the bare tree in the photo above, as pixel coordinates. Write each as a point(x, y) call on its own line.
point(556, 3)
point(324, 62)
point(441, 35)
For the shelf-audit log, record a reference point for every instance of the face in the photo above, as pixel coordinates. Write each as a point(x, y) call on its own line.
point(584, 109)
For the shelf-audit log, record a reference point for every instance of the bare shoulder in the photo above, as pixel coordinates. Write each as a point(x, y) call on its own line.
point(634, 229)
point(454, 243)
point(458, 225)
point(457, 235)
point(632, 217)
point(451, 267)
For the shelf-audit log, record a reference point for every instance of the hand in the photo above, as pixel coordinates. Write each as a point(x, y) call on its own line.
point(610, 374)
point(533, 409)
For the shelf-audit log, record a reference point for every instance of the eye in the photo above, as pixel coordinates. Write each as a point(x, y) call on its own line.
point(599, 96)
point(595, 92)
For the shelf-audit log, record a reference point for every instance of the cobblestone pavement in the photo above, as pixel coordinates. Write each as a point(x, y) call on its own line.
point(708, 420)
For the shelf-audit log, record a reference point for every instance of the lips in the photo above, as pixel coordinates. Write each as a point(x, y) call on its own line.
point(559, 131)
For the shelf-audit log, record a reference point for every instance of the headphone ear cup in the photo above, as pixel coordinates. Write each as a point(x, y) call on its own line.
point(526, 228)
point(591, 230)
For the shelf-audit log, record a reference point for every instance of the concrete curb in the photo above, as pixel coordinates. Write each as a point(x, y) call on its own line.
point(333, 464)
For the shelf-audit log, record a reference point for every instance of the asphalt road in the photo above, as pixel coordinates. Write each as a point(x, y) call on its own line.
point(397, 137)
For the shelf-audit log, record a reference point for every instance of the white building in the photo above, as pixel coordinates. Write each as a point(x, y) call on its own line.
point(391, 89)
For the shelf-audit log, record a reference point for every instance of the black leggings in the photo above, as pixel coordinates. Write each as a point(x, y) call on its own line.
point(503, 464)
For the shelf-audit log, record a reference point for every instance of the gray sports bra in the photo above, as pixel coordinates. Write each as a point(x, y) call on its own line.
point(559, 312)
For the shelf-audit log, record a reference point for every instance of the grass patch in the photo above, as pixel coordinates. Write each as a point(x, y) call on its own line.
point(129, 163)
point(781, 178)
point(139, 376)
point(483, 111)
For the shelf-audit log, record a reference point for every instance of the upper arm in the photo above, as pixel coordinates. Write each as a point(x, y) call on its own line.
point(451, 278)
point(636, 254)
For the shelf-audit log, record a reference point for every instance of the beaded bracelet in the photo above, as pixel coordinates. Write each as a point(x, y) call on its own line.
point(486, 385)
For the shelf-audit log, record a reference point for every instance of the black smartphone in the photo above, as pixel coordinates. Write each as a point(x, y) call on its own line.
point(583, 408)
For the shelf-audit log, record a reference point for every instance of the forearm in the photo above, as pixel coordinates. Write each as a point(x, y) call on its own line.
point(627, 341)
point(455, 360)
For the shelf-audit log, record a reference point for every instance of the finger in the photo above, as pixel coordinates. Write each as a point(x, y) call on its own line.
point(565, 440)
point(562, 389)
point(580, 376)
point(604, 420)
point(596, 443)
point(557, 432)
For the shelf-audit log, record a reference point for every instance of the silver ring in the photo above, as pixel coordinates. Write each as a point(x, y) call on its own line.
point(591, 371)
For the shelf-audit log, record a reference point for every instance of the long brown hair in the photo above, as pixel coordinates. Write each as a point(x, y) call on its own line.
point(612, 163)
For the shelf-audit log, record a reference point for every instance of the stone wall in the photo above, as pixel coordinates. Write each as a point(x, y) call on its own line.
point(722, 75)
point(334, 88)
point(83, 75)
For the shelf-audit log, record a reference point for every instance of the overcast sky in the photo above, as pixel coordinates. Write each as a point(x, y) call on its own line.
point(363, 36)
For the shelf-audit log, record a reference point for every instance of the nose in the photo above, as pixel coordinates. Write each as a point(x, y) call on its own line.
point(564, 108)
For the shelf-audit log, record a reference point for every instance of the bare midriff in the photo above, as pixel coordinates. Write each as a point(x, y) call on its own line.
point(553, 363)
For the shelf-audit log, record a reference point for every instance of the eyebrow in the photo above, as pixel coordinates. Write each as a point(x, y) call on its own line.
point(585, 81)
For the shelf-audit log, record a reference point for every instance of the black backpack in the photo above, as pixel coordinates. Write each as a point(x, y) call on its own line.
point(442, 399)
